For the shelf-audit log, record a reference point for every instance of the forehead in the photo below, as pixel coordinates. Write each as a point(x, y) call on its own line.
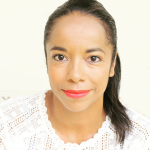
point(78, 28)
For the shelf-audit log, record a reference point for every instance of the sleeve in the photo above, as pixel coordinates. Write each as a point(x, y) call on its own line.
point(140, 135)
point(146, 132)
point(5, 142)
point(147, 140)
point(147, 145)
point(1, 144)
point(2, 132)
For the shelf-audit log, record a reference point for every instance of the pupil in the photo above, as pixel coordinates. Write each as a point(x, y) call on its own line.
point(61, 57)
point(93, 58)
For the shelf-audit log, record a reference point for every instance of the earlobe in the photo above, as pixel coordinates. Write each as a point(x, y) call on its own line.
point(112, 70)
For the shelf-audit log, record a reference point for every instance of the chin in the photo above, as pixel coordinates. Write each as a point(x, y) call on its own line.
point(78, 108)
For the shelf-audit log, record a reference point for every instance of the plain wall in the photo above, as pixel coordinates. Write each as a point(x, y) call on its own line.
point(22, 59)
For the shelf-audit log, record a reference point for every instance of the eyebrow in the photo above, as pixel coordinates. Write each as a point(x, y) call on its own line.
point(87, 51)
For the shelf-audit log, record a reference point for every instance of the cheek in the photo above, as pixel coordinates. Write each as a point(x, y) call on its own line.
point(56, 74)
point(99, 77)
point(53, 73)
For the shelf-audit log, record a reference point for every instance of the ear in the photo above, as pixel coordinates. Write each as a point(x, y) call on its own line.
point(112, 69)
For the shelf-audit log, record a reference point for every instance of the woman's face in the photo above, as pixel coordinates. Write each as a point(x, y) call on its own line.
point(82, 60)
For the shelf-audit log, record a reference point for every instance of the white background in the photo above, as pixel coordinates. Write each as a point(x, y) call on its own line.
point(22, 59)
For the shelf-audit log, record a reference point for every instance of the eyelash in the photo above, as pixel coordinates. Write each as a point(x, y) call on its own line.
point(88, 58)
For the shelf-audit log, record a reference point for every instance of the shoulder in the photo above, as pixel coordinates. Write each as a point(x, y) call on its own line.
point(20, 117)
point(140, 133)
point(17, 104)
point(137, 119)
point(15, 112)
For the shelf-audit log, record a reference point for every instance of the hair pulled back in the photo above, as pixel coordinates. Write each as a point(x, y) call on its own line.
point(112, 106)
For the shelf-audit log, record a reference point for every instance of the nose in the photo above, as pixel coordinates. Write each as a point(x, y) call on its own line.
point(76, 71)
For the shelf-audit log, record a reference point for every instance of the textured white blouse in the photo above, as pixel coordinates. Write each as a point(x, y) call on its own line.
point(24, 125)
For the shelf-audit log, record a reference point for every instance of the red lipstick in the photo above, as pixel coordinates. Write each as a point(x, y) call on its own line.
point(76, 93)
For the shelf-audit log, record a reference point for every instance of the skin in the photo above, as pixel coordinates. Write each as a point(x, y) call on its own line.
point(77, 120)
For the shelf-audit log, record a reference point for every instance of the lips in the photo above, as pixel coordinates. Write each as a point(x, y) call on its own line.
point(76, 93)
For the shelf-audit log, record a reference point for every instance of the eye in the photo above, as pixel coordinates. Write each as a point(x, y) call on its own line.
point(58, 57)
point(95, 59)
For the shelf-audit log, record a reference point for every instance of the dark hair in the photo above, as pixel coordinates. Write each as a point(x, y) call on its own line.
point(112, 105)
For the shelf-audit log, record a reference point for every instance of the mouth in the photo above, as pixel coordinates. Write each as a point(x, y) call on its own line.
point(76, 93)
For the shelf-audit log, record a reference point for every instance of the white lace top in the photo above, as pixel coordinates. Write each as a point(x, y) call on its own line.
point(24, 125)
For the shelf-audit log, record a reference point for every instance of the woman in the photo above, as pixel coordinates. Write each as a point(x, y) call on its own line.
point(82, 111)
